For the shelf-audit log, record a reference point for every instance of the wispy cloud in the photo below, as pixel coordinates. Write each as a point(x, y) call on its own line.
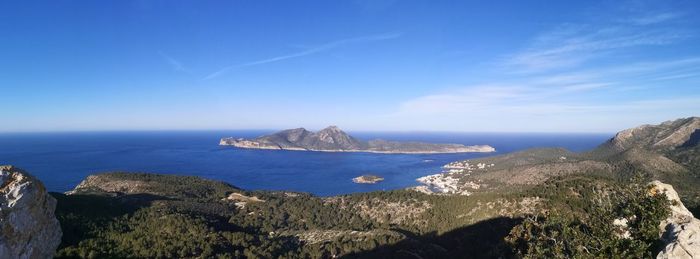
point(174, 63)
point(571, 45)
point(654, 18)
point(573, 76)
point(310, 51)
point(627, 89)
point(559, 85)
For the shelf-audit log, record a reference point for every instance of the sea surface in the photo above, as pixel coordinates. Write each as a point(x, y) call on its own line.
point(62, 160)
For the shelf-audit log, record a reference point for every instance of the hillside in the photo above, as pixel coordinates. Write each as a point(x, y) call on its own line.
point(668, 151)
point(147, 215)
point(514, 203)
point(332, 139)
point(156, 221)
point(663, 138)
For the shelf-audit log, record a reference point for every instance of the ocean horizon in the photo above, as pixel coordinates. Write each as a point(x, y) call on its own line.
point(62, 159)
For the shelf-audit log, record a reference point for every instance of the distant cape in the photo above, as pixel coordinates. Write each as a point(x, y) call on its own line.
point(333, 139)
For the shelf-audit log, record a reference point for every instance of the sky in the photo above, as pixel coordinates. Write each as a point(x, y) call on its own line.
point(364, 65)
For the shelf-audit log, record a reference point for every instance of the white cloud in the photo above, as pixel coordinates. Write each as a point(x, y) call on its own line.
point(654, 18)
point(545, 102)
point(558, 88)
point(571, 45)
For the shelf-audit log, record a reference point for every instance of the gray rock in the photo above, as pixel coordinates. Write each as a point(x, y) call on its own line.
point(29, 228)
point(681, 230)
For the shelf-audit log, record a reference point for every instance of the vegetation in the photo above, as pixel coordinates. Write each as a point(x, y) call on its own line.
point(204, 224)
point(593, 234)
point(562, 205)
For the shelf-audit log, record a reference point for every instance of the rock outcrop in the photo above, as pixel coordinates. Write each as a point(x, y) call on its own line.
point(681, 230)
point(29, 228)
point(332, 139)
point(367, 179)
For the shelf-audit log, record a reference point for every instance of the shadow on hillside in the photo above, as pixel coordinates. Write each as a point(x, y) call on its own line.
point(80, 214)
point(484, 239)
point(114, 205)
point(693, 140)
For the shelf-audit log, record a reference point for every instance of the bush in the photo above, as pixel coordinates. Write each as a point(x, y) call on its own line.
point(593, 235)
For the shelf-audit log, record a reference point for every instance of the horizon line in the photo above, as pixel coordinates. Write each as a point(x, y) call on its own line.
point(276, 130)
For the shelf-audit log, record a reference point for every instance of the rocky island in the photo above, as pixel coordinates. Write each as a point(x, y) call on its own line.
point(332, 139)
point(367, 179)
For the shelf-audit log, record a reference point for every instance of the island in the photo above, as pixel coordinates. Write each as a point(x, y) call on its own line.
point(332, 139)
point(367, 179)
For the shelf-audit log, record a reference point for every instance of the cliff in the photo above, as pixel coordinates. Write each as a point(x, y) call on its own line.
point(29, 227)
point(681, 230)
point(332, 139)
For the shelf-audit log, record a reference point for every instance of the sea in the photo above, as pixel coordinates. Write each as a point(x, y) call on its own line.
point(62, 160)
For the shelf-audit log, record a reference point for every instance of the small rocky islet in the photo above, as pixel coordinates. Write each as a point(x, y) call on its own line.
point(367, 179)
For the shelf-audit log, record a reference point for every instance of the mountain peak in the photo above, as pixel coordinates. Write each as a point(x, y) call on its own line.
point(332, 128)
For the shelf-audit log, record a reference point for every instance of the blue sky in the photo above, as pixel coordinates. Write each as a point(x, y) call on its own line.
point(505, 66)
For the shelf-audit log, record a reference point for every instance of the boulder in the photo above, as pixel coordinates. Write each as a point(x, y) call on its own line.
point(29, 228)
point(681, 230)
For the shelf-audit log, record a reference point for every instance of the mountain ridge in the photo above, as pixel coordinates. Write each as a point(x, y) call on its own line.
point(667, 151)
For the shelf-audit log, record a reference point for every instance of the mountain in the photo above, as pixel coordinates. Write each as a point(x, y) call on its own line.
point(596, 204)
point(333, 139)
point(663, 138)
point(669, 152)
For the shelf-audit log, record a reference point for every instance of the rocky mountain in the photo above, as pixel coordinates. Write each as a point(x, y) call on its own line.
point(664, 137)
point(332, 139)
point(28, 227)
point(668, 151)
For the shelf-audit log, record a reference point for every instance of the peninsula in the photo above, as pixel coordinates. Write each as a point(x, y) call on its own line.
point(332, 139)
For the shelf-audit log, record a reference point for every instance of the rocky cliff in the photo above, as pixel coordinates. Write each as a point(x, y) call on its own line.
point(681, 230)
point(332, 139)
point(29, 227)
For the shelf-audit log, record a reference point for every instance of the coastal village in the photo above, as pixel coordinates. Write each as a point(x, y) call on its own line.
point(449, 181)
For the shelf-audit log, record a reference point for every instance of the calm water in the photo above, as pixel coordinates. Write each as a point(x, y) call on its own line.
point(62, 160)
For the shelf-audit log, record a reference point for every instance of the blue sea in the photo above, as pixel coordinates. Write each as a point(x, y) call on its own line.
point(62, 160)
